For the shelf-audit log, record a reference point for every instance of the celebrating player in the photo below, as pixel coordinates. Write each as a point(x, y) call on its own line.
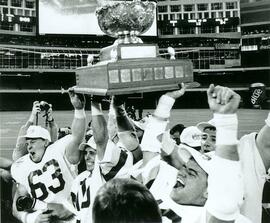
point(84, 186)
point(254, 154)
point(45, 174)
point(110, 160)
point(185, 192)
point(21, 147)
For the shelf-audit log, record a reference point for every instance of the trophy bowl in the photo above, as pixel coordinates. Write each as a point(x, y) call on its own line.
point(125, 18)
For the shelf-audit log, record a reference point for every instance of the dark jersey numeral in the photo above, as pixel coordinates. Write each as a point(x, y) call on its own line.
point(85, 203)
point(56, 176)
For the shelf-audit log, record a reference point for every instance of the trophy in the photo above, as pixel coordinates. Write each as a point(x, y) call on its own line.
point(130, 66)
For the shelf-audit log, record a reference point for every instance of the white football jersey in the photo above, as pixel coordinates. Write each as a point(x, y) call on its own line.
point(161, 187)
point(254, 174)
point(115, 164)
point(83, 192)
point(49, 180)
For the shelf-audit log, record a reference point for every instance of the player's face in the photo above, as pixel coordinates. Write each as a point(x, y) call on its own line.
point(176, 137)
point(36, 149)
point(191, 185)
point(208, 140)
point(90, 157)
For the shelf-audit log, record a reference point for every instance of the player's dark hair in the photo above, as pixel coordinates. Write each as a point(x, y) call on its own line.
point(125, 200)
point(177, 128)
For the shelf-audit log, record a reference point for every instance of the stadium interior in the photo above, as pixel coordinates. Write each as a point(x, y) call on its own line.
point(228, 42)
point(221, 38)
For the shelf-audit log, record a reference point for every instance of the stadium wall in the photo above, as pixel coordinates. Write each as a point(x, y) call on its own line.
point(198, 99)
point(24, 102)
point(17, 93)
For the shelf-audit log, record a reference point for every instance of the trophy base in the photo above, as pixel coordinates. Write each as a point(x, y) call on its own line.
point(121, 91)
point(128, 76)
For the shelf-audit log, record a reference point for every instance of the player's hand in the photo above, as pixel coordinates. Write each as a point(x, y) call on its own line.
point(77, 100)
point(222, 99)
point(97, 98)
point(118, 100)
point(59, 211)
point(178, 93)
point(43, 218)
point(36, 108)
point(49, 113)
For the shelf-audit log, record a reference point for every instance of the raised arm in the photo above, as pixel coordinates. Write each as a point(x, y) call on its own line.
point(126, 130)
point(225, 179)
point(263, 143)
point(224, 103)
point(173, 154)
point(99, 126)
point(21, 148)
point(112, 125)
point(150, 143)
point(78, 127)
point(51, 125)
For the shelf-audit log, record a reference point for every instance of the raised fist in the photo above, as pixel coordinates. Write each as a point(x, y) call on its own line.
point(119, 99)
point(77, 100)
point(178, 93)
point(222, 100)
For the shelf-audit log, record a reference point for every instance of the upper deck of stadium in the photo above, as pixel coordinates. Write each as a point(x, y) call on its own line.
point(228, 42)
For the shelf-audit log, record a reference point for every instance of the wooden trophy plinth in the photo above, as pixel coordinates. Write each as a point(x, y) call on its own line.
point(132, 68)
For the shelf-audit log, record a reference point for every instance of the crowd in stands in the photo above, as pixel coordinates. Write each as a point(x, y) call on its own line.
point(119, 169)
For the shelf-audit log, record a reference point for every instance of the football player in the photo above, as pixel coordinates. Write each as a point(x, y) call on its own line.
point(44, 175)
point(198, 192)
point(255, 161)
point(21, 147)
point(105, 157)
point(84, 187)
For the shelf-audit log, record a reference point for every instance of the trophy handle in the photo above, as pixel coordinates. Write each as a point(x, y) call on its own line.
point(189, 85)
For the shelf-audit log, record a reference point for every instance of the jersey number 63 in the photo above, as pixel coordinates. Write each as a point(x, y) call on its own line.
point(56, 176)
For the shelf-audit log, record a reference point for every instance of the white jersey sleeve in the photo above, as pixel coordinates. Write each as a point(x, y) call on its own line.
point(254, 174)
point(239, 219)
point(18, 168)
point(225, 188)
point(116, 162)
point(61, 144)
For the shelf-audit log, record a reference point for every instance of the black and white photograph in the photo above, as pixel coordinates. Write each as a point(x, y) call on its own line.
point(135, 111)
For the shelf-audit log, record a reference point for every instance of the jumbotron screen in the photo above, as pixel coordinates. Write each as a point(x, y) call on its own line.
point(73, 17)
